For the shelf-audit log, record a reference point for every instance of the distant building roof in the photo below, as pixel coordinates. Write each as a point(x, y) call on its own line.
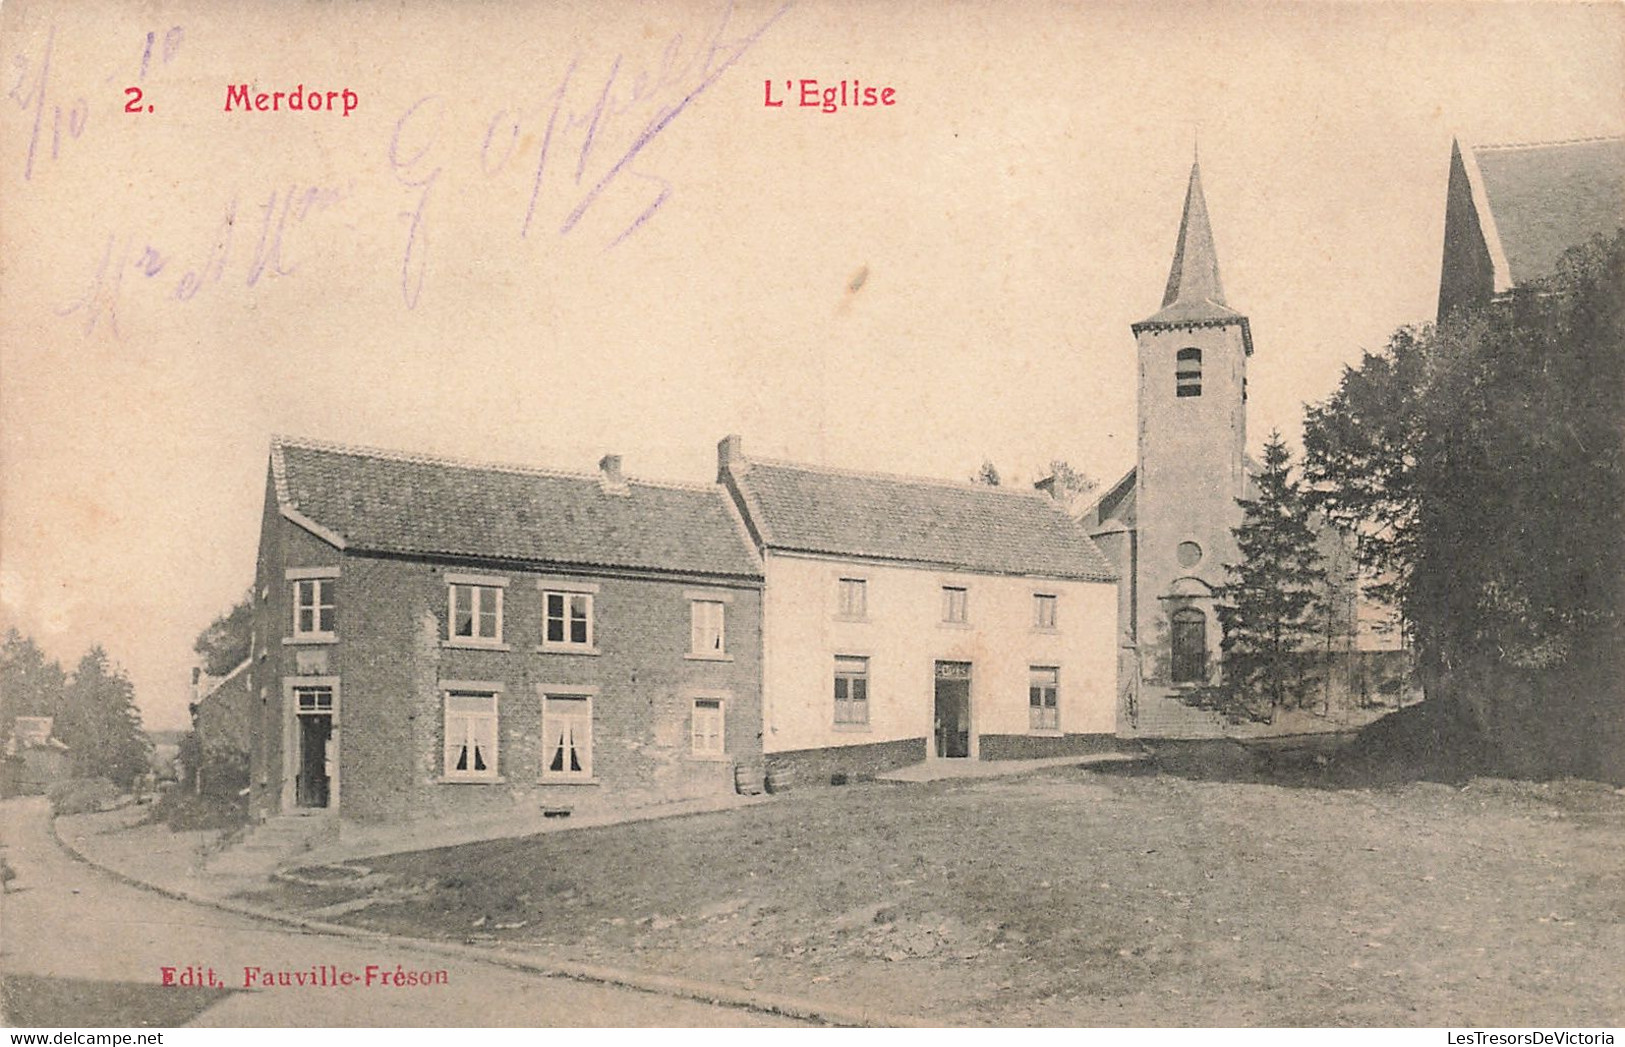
point(32, 732)
point(938, 523)
point(391, 502)
point(1512, 210)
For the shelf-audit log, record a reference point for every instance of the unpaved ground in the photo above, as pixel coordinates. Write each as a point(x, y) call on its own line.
point(1074, 898)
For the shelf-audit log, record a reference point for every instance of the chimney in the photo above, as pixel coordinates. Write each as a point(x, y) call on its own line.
point(730, 454)
point(610, 478)
point(1046, 486)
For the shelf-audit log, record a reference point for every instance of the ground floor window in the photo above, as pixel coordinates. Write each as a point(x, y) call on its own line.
point(471, 735)
point(708, 738)
point(567, 736)
point(851, 690)
point(1043, 686)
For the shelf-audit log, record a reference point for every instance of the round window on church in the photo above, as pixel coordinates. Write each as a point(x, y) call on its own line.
point(1190, 554)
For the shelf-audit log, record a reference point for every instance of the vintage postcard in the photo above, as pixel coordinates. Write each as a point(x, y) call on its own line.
point(703, 513)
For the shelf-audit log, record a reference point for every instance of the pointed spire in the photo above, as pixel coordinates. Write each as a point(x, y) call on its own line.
point(1194, 279)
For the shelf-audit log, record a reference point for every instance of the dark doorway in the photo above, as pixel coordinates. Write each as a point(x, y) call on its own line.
point(953, 710)
point(1189, 646)
point(312, 784)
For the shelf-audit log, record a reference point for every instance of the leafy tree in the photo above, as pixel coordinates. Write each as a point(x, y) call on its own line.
point(1269, 602)
point(100, 723)
point(226, 642)
point(1482, 464)
point(987, 474)
point(1068, 486)
point(30, 684)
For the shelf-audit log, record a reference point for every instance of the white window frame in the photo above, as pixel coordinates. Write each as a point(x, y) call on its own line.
point(1041, 718)
point(1050, 603)
point(846, 673)
point(852, 598)
point(475, 584)
point(704, 642)
point(955, 597)
point(464, 723)
point(568, 598)
point(575, 720)
point(707, 744)
point(322, 588)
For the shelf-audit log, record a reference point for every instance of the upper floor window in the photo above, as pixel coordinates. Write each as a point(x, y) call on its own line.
point(852, 598)
point(313, 608)
point(1044, 610)
point(706, 632)
point(315, 611)
point(566, 619)
point(1189, 636)
point(474, 609)
point(1188, 373)
point(955, 604)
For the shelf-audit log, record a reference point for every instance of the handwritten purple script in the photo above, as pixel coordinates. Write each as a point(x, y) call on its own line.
point(576, 160)
point(604, 124)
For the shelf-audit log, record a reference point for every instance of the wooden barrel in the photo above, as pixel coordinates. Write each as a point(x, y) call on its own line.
point(748, 779)
point(781, 779)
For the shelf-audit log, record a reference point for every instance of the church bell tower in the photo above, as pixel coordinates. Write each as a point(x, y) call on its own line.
point(1191, 463)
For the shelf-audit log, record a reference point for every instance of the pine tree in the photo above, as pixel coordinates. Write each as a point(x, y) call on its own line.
point(30, 684)
point(100, 723)
point(1270, 597)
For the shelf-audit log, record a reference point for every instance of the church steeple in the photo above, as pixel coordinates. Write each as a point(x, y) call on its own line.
point(1195, 294)
point(1194, 277)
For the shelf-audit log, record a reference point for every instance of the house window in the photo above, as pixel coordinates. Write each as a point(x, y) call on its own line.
point(1042, 687)
point(708, 738)
point(852, 598)
point(471, 735)
point(1188, 373)
point(1044, 610)
point(567, 736)
point(706, 628)
point(313, 609)
point(314, 699)
point(1189, 635)
point(566, 619)
point(476, 613)
point(851, 690)
point(954, 604)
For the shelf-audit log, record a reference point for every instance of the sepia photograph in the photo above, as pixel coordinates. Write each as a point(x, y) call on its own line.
point(707, 514)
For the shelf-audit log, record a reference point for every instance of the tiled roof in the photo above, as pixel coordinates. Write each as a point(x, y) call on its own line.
point(1195, 293)
point(1548, 197)
point(390, 502)
point(929, 522)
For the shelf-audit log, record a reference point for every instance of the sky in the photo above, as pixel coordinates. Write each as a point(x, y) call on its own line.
point(544, 232)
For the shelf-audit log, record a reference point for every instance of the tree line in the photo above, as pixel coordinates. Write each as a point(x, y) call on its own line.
point(1479, 465)
point(93, 709)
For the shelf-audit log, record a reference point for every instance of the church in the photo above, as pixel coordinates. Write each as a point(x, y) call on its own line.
point(1166, 525)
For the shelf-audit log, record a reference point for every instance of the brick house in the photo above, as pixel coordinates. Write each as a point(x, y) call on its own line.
point(438, 638)
point(910, 619)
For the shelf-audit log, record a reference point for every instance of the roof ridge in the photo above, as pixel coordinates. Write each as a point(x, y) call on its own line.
point(1546, 144)
point(279, 441)
point(931, 481)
